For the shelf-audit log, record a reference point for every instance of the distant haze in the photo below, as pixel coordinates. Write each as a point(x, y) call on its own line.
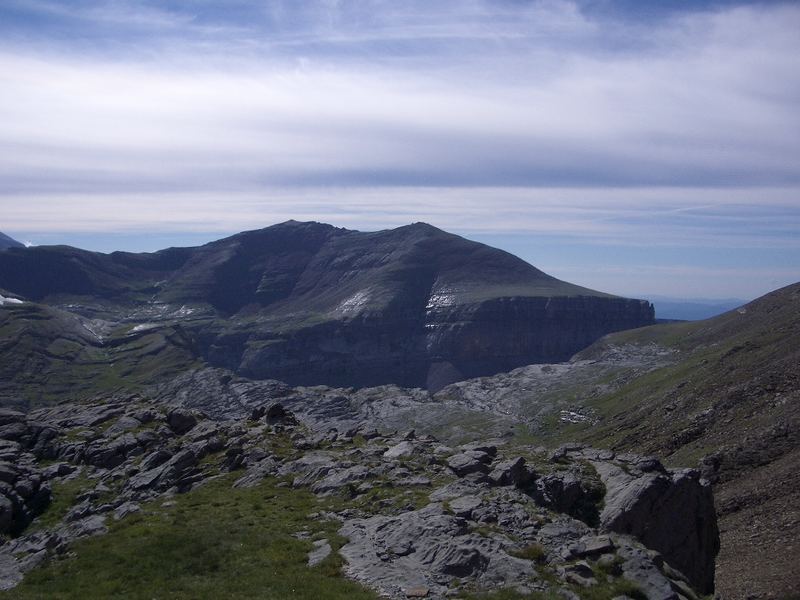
point(692, 309)
point(624, 146)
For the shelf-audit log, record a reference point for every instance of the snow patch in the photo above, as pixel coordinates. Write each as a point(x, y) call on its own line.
point(183, 311)
point(441, 298)
point(4, 300)
point(354, 303)
point(576, 416)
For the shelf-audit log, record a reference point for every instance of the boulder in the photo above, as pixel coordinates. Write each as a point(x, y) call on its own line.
point(275, 413)
point(178, 471)
point(125, 509)
point(463, 506)
point(670, 512)
point(562, 491)
point(486, 448)
point(124, 423)
point(338, 479)
point(155, 459)
point(471, 461)
point(181, 420)
point(511, 472)
point(405, 448)
point(256, 473)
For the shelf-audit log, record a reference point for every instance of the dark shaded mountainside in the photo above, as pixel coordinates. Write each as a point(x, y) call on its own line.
point(304, 303)
point(7, 242)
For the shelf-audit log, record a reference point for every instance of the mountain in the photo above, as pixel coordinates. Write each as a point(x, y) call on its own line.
point(308, 303)
point(7, 242)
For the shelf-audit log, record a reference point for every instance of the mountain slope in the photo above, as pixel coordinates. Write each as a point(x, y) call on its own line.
point(736, 373)
point(52, 355)
point(734, 399)
point(309, 303)
point(7, 242)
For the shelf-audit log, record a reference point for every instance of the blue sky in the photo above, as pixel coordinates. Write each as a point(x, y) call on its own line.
point(634, 147)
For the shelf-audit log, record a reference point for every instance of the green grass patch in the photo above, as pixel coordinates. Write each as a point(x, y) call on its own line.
point(64, 497)
point(607, 591)
point(217, 542)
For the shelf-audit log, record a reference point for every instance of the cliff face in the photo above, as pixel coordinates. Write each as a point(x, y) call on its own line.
point(506, 333)
point(432, 348)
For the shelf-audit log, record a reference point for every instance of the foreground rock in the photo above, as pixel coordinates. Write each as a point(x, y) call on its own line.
point(428, 548)
point(669, 511)
point(421, 519)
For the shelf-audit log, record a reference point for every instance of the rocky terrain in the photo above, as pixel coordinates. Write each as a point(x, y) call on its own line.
point(308, 304)
point(414, 518)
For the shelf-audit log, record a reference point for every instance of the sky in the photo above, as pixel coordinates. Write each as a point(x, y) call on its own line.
point(635, 147)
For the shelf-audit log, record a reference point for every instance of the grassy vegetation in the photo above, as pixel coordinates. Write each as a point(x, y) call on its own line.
point(49, 356)
point(387, 498)
point(509, 594)
point(607, 591)
point(64, 494)
point(217, 542)
point(534, 552)
point(602, 591)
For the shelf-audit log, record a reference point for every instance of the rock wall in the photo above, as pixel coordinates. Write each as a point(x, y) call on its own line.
point(506, 333)
point(670, 511)
point(432, 348)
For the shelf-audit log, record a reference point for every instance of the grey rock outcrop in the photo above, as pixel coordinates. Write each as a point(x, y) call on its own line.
point(671, 512)
point(426, 548)
point(181, 420)
point(468, 462)
point(322, 550)
point(24, 491)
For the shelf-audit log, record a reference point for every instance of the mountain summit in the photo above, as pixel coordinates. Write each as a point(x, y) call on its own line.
point(309, 303)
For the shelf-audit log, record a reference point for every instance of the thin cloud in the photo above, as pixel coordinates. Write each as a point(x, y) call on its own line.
point(620, 217)
point(552, 118)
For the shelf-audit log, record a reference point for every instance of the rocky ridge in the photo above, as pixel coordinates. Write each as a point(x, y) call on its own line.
point(419, 518)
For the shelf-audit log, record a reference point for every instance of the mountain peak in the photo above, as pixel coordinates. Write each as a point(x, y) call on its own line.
point(7, 242)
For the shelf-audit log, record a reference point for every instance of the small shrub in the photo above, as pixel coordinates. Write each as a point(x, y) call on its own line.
point(534, 552)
